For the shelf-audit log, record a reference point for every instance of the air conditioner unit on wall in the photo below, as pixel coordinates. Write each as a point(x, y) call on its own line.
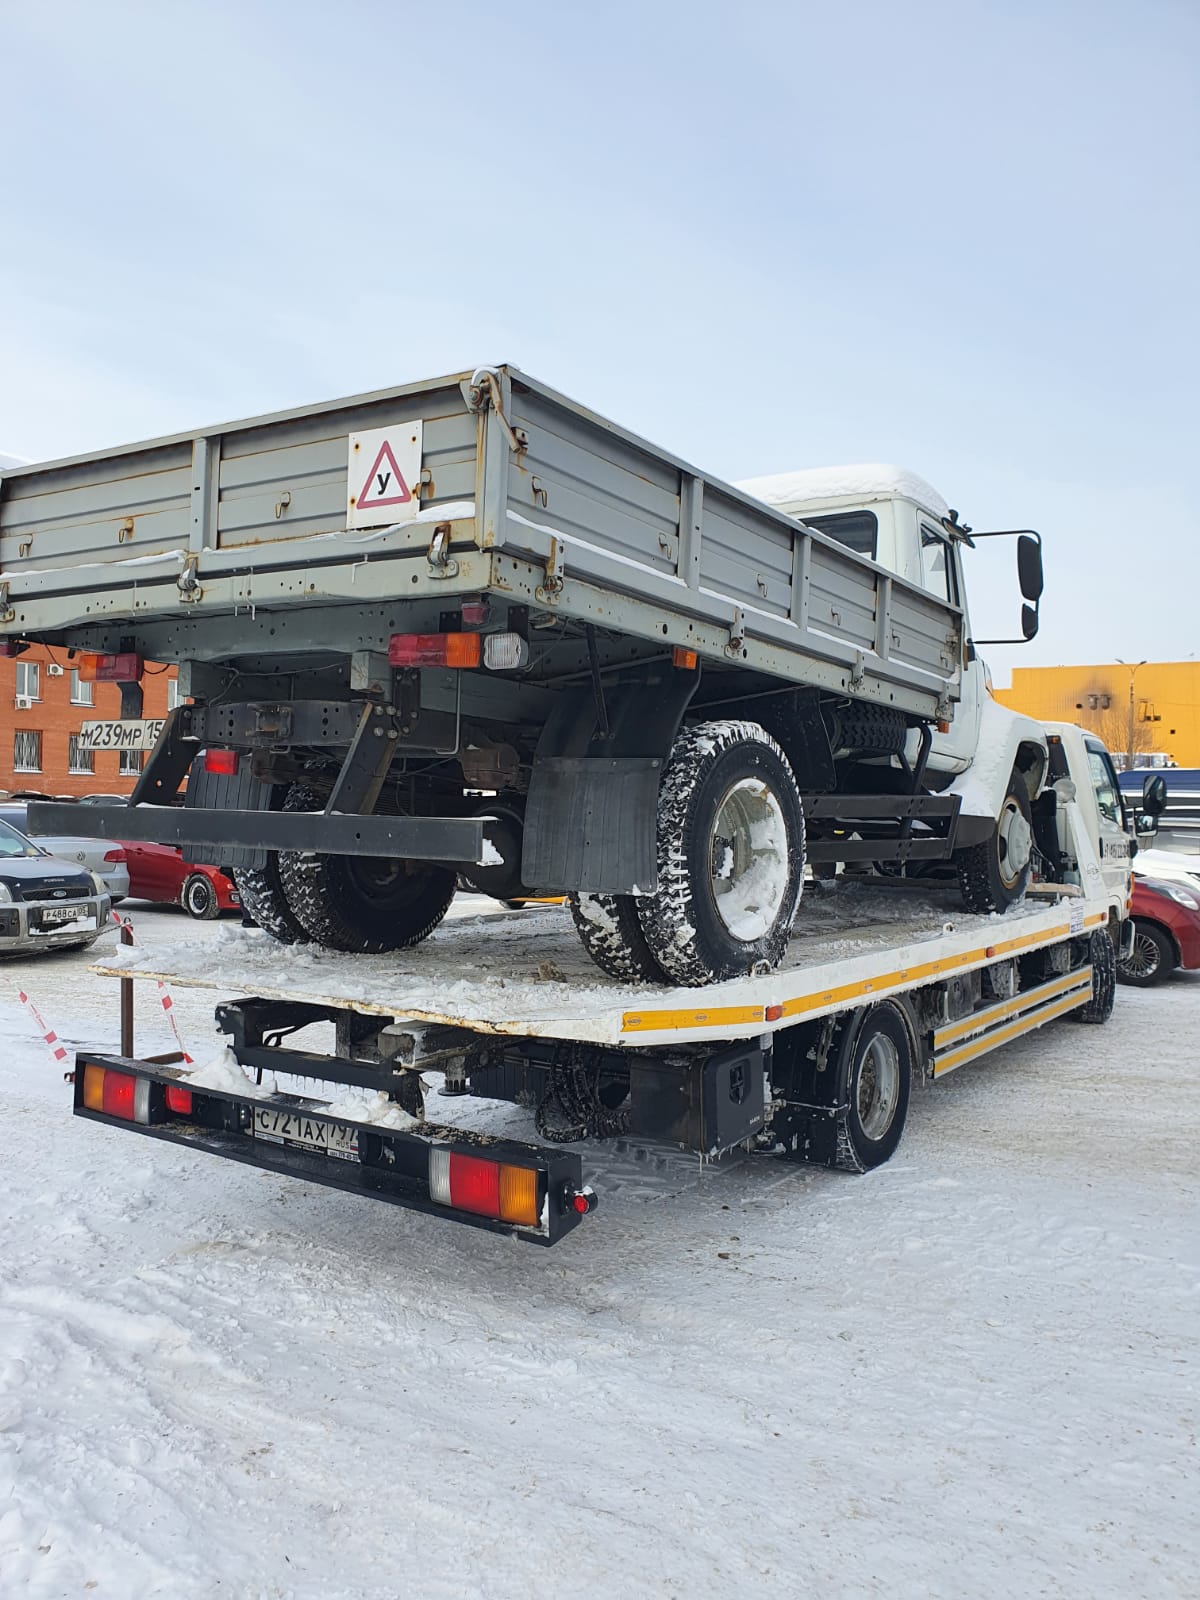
point(24, 702)
point(54, 670)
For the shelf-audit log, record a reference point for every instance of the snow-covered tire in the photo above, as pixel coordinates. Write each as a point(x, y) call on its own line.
point(611, 933)
point(995, 874)
point(265, 903)
point(1152, 958)
point(366, 904)
point(727, 788)
point(1103, 958)
point(875, 1066)
point(199, 899)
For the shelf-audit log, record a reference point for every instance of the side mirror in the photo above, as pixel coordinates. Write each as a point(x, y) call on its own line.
point(1029, 621)
point(1146, 824)
point(1029, 568)
point(1154, 795)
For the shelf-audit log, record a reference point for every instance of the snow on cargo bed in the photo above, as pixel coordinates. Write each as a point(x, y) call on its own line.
point(525, 974)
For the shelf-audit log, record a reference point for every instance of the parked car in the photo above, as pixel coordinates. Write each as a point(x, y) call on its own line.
point(45, 903)
point(1166, 930)
point(159, 872)
point(96, 855)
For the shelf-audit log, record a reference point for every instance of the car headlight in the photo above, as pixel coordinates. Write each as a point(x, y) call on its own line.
point(1183, 896)
point(5, 895)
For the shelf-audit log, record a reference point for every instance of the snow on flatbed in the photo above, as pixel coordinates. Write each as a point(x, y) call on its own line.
point(969, 1374)
point(525, 973)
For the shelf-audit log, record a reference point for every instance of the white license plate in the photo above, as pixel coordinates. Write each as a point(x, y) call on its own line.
point(294, 1127)
point(54, 917)
point(133, 735)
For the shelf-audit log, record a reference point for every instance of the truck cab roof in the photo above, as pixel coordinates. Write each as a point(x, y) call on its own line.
point(834, 488)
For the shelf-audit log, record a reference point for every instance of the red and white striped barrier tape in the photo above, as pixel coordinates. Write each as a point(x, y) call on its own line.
point(168, 1005)
point(53, 1043)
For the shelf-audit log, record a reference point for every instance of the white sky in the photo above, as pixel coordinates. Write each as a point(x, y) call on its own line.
point(958, 236)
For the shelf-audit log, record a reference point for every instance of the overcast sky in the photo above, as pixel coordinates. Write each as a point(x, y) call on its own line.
point(958, 236)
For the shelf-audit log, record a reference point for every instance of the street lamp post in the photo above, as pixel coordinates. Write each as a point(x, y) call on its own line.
point(1133, 666)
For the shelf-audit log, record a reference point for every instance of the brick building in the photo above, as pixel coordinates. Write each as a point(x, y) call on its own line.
point(43, 704)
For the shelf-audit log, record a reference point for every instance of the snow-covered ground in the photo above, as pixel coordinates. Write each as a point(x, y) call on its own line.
point(968, 1374)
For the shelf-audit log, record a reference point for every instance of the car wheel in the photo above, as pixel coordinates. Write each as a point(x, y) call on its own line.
point(1152, 958)
point(199, 898)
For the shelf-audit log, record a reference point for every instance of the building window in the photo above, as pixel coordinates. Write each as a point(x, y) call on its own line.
point(27, 750)
point(79, 759)
point(132, 762)
point(29, 681)
point(82, 694)
point(174, 698)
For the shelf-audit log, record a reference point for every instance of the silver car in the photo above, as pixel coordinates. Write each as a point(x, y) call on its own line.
point(96, 855)
point(45, 903)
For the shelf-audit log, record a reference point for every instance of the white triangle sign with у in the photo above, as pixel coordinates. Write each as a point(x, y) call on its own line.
point(388, 491)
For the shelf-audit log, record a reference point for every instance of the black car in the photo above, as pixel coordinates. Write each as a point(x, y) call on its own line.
point(46, 904)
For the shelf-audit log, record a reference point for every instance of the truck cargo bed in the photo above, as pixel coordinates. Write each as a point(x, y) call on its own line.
point(522, 494)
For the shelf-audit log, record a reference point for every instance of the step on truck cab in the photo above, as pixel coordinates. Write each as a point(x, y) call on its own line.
point(887, 987)
point(467, 628)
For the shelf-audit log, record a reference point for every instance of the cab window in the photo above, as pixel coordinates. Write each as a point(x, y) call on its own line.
point(1104, 782)
point(937, 569)
point(857, 530)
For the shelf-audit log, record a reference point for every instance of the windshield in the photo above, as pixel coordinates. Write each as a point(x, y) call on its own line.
point(14, 844)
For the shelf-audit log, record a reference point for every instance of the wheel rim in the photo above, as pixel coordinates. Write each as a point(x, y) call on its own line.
point(1145, 958)
point(198, 896)
point(749, 860)
point(1014, 838)
point(878, 1086)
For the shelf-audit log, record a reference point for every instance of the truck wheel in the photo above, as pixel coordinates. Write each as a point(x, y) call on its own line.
point(730, 855)
point(876, 1068)
point(1152, 959)
point(367, 904)
point(995, 874)
point(611, 934)
point(199, 898)
point(264, 901)
point(1103, 957)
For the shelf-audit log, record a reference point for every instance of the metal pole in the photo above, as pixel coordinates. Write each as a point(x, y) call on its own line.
point(126, 1000)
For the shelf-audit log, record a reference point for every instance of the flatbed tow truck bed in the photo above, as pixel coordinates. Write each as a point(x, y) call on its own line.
point(813, 1062)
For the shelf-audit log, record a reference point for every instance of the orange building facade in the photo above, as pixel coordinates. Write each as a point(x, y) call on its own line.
point(43, 705)
point(1141, 708)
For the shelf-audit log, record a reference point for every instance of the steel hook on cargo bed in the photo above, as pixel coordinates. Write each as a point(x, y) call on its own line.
point(485, 386)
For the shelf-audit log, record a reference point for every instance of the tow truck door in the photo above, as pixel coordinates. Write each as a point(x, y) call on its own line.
point(1113, 825)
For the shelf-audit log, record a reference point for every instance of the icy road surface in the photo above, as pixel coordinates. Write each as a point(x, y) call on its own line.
point(969, 1374)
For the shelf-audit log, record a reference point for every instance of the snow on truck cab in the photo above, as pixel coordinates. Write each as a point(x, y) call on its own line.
point(468, 628)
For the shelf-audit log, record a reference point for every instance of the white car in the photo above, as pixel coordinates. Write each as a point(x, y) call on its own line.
point(1171, 866)
point(101, 856)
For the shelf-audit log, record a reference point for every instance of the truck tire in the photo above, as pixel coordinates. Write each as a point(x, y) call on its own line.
point(199, 899)
point(611, 933)
point(875, 1065)
point(264, 901)
point(730, 855)
point(365, 904)
point(1152, 959)
point(995, 874)
point(1103, 957)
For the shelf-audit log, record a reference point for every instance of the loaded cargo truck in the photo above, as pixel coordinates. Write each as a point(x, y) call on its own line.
point(887, 987)
point(468, 629)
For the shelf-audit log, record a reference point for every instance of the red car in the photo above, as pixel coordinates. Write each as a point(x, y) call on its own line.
point(1166, 931)
point(159, 872)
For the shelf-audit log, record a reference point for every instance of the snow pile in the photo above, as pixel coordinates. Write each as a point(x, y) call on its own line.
point(224, 1072)
point(360, 1105)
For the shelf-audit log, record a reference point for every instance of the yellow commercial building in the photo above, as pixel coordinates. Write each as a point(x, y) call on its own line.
point(1141, 709)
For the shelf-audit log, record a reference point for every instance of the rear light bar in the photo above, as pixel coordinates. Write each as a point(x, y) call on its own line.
point(486, 1188)
point(434, 650)
point(132, 1099)
point(123, 668)
point(221, 761)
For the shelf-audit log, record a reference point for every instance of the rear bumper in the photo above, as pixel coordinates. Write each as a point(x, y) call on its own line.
point(19, 920)
point(390, 1165)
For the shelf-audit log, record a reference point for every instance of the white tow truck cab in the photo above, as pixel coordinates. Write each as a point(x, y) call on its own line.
point(886, 985)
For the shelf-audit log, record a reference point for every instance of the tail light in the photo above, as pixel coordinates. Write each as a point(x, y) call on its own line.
point(116, 1094)
point(686, 660)
point(503, 652)
point(12, 647)
point(179, 1100)
point(123, 668)
point(434, 650)
point(115, 855)
point(485, 1188)
point(221, 761)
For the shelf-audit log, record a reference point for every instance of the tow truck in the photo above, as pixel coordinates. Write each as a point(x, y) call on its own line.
point(886, 984)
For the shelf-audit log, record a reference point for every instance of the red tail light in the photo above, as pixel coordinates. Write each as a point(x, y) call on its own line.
point(179, 1100)
point(434, 650)
point(115, 855)
point(123, 668)
point(221, 761)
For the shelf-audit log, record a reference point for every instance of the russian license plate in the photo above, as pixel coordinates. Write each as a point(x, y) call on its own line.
point(132, 735)
point(314, 1133)
point(50, 918)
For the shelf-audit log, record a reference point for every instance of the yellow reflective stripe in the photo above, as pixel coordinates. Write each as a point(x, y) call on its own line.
point(978, 1047)
point(1005, 1008)
point(716, 1017)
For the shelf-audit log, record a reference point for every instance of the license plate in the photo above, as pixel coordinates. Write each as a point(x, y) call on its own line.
point(52, 918)
point(314, 1133)
point(131, 735)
